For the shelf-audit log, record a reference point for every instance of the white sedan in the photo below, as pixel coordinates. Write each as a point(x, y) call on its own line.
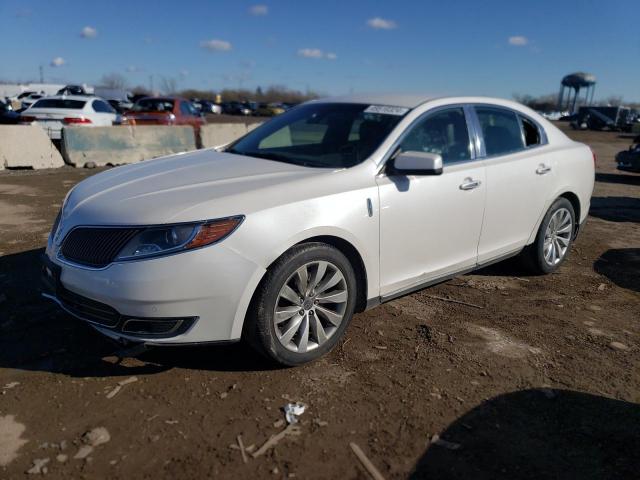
point(54, 113)
point(328, 209)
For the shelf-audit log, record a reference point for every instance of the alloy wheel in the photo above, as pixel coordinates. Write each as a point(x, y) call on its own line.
point(557, 236)
point(310, 306)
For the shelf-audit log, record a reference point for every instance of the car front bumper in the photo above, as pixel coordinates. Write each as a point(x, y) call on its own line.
point(192, 297)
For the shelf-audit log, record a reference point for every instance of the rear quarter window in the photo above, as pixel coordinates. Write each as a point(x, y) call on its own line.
point(532, 135)
point(102, 107)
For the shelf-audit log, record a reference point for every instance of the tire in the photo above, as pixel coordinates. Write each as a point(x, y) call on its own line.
point(293, 332)
point(545, 255)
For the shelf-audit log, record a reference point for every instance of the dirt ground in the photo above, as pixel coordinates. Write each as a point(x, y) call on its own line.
point(538, 380)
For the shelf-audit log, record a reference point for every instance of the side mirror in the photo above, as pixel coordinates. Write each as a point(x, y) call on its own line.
point(415, 163)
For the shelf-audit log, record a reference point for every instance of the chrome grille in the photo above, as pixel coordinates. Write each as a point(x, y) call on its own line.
point(96, 247)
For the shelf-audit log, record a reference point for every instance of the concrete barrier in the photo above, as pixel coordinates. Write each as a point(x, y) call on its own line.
point(218, 134)
point(99, 146)
point(27, 146)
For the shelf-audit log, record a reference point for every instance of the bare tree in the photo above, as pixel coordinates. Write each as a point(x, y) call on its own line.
point(169, 85)
point(611, 101)
point(114, 80)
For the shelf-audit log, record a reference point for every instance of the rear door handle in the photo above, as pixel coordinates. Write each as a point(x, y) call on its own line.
point(543, 169)
point(469, 184)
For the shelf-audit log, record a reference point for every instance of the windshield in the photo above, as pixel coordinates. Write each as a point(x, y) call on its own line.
point(330, 135)
point(154, 105)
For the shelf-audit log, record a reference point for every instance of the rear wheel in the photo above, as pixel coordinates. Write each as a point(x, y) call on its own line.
point(554, 239)
point(303, 305)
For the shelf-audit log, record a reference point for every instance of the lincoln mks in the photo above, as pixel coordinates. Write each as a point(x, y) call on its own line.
point(328, 209)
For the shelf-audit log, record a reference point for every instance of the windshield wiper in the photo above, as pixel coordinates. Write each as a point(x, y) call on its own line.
point(278, 157)
point(266, 155)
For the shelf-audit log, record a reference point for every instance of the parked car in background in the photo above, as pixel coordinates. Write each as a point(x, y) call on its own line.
point(328, 209)
point(120, 106)
point(30, 99)
point(165, 111)
point(237, 108)
point(210, 107)
point(269, 109)
point(629, 160)
point(7, 115)
point(16, 100)
point(72, 90)
point(205, 106)
point(55, 113)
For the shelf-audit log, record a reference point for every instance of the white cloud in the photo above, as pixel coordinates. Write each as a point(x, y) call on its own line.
point(259, 10)
point(57, 62)
point(316, 53)
point(89, 32)
point(310, 53)
point(216, 45)
point(518, 41)
point(133, 69)
point(184, 73)
point(382, 23)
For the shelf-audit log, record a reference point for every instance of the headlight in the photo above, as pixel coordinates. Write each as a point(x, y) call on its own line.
point(164, 240)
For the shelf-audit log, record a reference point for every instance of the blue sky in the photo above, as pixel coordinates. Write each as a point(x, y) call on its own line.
point(441, 47)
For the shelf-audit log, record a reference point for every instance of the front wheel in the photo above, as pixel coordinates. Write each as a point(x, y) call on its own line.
point(554, 239)
point(303, 305)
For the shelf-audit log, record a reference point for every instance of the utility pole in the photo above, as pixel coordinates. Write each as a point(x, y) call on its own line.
point(41, 74)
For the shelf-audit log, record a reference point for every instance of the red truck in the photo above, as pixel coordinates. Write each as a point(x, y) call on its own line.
point(165, 111)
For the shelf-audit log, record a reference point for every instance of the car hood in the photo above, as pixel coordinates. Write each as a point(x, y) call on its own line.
point(186, 187)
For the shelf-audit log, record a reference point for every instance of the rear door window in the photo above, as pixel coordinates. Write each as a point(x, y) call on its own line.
point(500, 129)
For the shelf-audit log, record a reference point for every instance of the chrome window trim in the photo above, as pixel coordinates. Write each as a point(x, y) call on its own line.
point(544, 140)
point(473, 138)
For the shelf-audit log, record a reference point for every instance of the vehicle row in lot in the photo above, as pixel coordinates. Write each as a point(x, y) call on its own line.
point(330, 208)
point(54, 113)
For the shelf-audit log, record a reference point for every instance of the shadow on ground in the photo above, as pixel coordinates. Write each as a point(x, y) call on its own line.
point(511, 267)
point(616, 209)
point(535, 434)
point(619, 178)
point(36, 335)
point(621, 266)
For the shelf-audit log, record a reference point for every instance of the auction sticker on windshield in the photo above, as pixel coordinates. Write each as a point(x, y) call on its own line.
point(386, 110)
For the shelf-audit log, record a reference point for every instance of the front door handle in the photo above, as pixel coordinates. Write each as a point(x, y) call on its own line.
point(469, 184)
point(543, 169)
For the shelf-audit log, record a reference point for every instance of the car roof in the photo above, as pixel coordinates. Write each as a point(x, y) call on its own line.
point(396, 100)
point(415, 100)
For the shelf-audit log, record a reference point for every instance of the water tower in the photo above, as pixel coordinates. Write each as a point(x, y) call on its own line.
point(579, 81)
